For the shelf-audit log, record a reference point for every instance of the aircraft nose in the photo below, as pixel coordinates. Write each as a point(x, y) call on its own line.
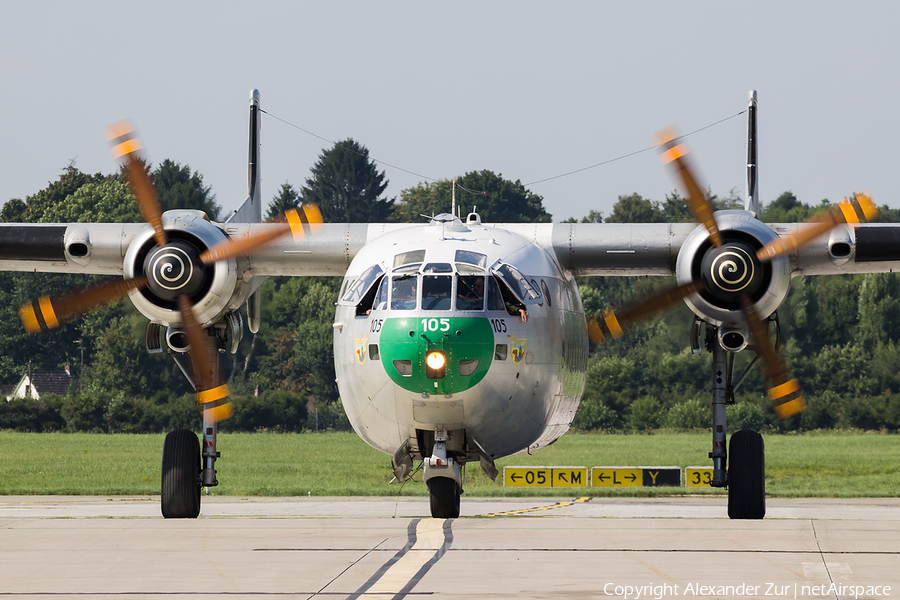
point(436, 355)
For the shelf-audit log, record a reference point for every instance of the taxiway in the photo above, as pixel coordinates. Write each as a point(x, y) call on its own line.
point(373, 548)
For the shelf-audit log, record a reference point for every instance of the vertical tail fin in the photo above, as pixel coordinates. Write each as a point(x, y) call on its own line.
point(251, 209)
point(751, 201)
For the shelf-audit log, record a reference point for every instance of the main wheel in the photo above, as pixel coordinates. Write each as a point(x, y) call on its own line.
point(444, 498)
point(746, 476)
point(180, 498)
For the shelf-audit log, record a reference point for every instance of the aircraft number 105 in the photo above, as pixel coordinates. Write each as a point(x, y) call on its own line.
point(499, 325)
point(436, 324)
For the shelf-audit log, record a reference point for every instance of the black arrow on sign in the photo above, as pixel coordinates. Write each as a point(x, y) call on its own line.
point(602, 477)
point(514, 477)
point(562, 477)
point(632, 477)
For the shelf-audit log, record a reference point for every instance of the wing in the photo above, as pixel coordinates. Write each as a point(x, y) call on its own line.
point(102, 248)
point(611, 249)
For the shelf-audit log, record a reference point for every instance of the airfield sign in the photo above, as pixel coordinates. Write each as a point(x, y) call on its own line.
point(635, 476)
point(698, 476)
point(545, 477)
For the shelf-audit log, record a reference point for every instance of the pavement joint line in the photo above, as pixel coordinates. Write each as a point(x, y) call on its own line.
point(602, 550)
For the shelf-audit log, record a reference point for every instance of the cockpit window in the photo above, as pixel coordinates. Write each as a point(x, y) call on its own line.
point(358, 288)
point(411, 268)
point(517, 283)
point(416, 256)
point(438, 268)
point(381, 299)
point(470, 292)
point(495, 297)
point(471, 258)
point(436, 291)
point(404, 292)
point(467, 268)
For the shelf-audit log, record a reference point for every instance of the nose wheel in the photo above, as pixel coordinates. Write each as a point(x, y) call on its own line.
point(444, 494)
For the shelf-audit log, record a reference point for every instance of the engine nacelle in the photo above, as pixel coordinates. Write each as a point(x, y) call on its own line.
point(732, 270)
point(175, 269)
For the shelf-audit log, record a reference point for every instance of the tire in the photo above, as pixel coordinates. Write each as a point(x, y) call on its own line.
point(444, 498)
point(746, 476)
point(180, 491)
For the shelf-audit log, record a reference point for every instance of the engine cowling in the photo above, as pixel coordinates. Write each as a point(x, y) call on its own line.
point(175, 269)
point(732, 270)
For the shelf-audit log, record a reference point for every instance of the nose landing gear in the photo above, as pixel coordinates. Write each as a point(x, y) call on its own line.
point(443, 476)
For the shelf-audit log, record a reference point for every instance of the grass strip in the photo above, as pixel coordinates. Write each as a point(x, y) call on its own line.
point(816, 464)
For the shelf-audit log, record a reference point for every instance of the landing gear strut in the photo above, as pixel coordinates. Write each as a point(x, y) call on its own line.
point(745, 479)
point(185, 467)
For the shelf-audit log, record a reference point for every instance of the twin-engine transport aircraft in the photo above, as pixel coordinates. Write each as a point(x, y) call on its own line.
point(455, 341)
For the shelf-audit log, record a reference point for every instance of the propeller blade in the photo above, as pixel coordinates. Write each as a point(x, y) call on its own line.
point(859, 209)
point(125, 146)
point(613, 323)
point(301, 222)
point(48, 313)
point(697, 201)
point(783, 390)
point(212, 396)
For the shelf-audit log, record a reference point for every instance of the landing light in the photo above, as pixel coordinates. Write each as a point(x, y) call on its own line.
point(435, 360)
point(435, 365)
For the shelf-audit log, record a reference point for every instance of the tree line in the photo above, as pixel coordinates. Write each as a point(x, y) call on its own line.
point(841, 332)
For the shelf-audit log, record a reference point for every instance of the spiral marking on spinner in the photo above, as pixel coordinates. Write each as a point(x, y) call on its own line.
point(172, 269)
point(733, 270)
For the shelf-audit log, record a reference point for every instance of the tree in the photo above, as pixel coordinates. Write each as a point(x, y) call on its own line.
point(497, 200)
point(287, 197)
point(56, 192)
point(13, 211)
point(179, 188)
point(107, 201)
point(347, 186)
point(788, 209)
point(634, 208)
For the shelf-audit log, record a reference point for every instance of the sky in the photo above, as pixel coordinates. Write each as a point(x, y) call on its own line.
point(529, 90)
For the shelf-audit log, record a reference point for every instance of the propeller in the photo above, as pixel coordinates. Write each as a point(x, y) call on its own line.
point(125, 146)
point(171, 257)
point(858, 209)
point(732, 272)
point(212, 395)
point(301, 222)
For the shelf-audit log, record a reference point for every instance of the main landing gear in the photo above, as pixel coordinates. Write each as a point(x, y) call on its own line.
point(188, 465)
point(745, 476)
point(180, 497)
point(185, 470)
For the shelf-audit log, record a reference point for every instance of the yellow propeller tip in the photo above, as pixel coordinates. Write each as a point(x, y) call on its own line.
point(665, 135)
point(868, 207)
point(789, 409)
point(612, 323)
point(123, 138)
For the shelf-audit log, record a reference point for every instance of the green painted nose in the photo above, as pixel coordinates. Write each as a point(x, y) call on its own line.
point(436, 355)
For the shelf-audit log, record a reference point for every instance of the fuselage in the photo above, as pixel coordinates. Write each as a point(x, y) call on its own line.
point(457, 290)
